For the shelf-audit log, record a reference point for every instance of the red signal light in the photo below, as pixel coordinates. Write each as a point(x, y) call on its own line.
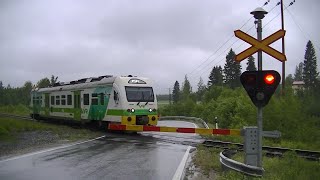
point(269, 79)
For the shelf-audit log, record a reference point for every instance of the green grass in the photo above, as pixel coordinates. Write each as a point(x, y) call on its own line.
point(289, 167)
point(9, 128)
point(16, 109)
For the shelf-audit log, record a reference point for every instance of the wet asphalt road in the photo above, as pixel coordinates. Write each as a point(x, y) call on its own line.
point(116, 156)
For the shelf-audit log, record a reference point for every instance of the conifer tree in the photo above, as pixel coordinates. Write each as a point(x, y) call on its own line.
point(216, 76)
point(298, 75)
point(186, 89)
point(176, 92)
point(232, 70)
point(310, 73)
point(250, 64)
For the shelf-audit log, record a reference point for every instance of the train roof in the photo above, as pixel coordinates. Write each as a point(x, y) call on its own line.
point(88, 83)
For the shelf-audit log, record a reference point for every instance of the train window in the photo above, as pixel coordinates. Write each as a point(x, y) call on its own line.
point(57, 100)
point(85, 99)
point(139, 94)
point(101, 99)
point(94, 99)
point(63, 99)
point(69, 100)
point(115, 96)
point(52, 100)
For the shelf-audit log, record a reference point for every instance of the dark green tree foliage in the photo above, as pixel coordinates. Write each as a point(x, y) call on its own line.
point(201, 89)
point(250, 64)
point(298, 74)
point(176, 92)
point(216, 77)
point(45, 82)
point(186, 89)
point(15, 96)
point(310, 73)
point(289, 80)
point(1, 92)
point(25, 92)
point(53, 80)
point(232, 71)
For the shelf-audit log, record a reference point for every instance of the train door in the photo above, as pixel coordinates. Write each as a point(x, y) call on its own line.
point(99, 103)
point(46, 104)
point(77, 105)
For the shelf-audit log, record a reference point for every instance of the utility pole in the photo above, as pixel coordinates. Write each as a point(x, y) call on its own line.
point(283, 52)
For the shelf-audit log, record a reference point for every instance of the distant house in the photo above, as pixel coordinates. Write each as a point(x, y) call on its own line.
point(297, 85)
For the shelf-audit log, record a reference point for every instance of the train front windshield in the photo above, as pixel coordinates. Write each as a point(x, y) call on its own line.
point(139, 94)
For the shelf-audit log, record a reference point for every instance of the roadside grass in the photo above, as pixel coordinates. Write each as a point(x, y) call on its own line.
point(10, 128)
point(16, 109)
point(290, 166)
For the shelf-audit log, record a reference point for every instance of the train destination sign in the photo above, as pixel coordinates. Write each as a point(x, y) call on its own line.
point(262, 45)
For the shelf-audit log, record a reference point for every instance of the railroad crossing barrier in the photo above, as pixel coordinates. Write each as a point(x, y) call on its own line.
point(201, 131)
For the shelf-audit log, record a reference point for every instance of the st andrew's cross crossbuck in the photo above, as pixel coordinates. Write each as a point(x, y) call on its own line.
point(260, 45)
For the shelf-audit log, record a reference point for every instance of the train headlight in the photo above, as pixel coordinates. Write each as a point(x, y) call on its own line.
point(132, 110)
point(154, 110)
point(150, 110)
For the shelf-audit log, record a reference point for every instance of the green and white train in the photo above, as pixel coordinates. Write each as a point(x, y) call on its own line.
point(125, 100)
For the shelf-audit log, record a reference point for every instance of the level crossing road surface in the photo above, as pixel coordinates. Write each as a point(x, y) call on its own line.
point(144, 155)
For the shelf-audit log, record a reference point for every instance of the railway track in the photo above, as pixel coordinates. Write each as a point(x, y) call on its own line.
point(269, 151)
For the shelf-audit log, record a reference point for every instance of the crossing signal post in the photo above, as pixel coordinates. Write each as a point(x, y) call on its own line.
point(260, 85)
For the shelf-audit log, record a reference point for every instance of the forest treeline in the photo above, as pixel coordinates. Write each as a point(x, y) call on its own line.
point(21, 95)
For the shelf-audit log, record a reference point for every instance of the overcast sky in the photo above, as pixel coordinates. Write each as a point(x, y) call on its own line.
point(163, 40)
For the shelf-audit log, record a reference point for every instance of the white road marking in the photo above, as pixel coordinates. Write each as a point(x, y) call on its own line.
point(51, 149)
point(180, 169)
point(179, 172)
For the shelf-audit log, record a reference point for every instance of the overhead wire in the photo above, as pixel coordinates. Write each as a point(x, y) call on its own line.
point(207, 67)
point(206, 59)
point(306, 35)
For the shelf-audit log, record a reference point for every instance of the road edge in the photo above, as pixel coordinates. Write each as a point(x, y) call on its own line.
point(180, 170)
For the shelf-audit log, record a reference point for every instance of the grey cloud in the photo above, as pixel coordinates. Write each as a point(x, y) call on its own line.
point(163, 40)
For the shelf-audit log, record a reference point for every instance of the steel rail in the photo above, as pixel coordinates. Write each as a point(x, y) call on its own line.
point(270, 151)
